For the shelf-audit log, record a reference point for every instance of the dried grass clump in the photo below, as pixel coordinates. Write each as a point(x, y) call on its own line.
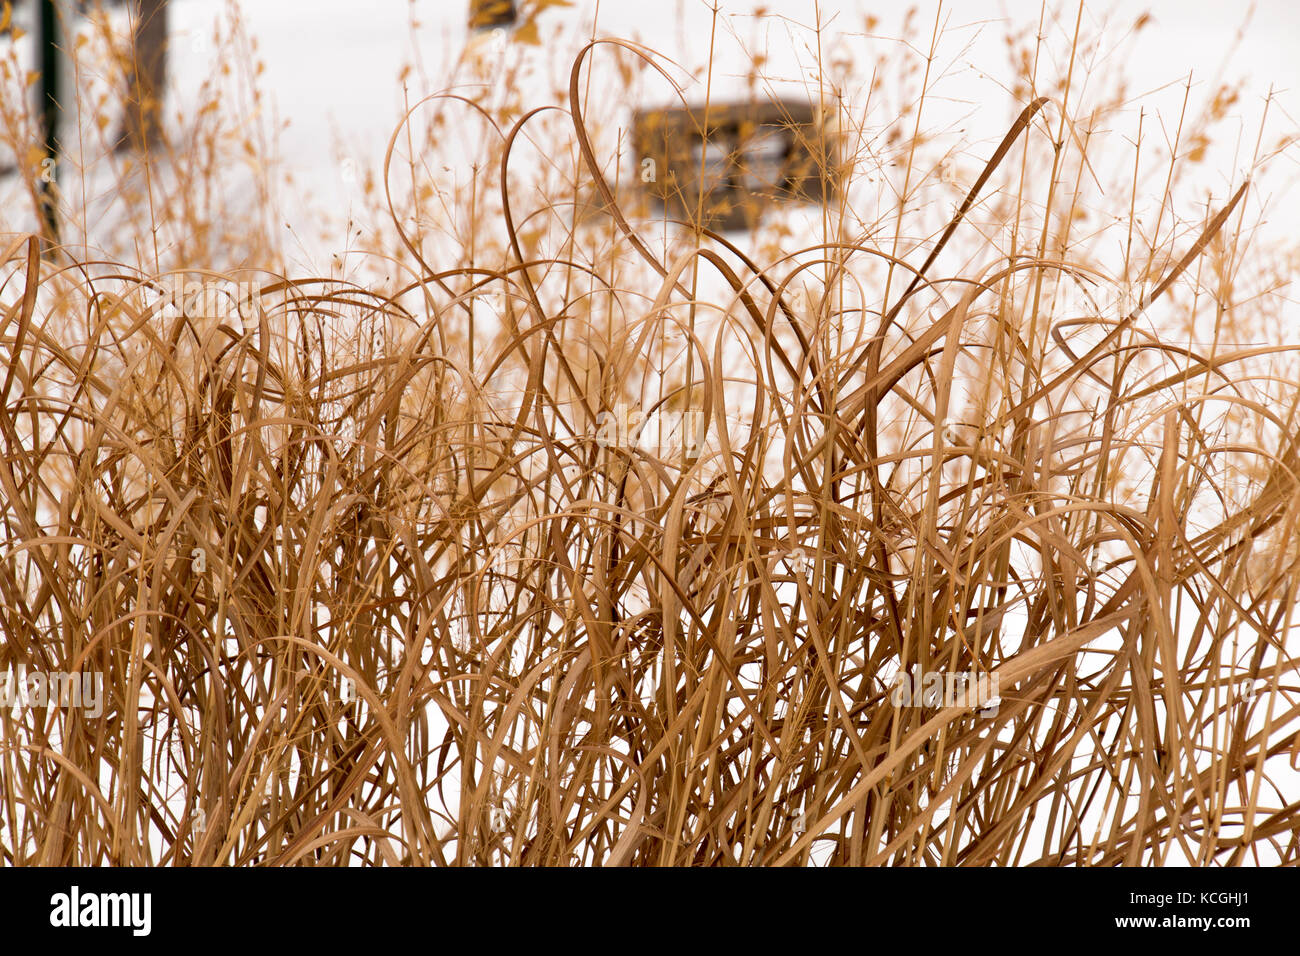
point(602, 541)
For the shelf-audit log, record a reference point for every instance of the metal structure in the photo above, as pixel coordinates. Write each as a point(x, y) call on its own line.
point(727, 163)
point(48, 99)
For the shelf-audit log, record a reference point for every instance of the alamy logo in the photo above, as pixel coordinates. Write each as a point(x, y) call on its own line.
point(83, 691)
point(224, 300)
point(75, 909)
point(631, 428)
point(978, 691)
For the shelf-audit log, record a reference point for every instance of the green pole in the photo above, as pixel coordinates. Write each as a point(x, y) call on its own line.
point(48, 99)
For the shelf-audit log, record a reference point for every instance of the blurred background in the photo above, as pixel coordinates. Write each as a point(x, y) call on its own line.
point(332, 77)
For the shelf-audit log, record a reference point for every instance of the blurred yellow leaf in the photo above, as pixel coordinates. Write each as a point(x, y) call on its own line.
point(528, 34)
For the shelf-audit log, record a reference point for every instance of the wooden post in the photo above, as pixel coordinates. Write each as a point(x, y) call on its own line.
point(147, 81)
